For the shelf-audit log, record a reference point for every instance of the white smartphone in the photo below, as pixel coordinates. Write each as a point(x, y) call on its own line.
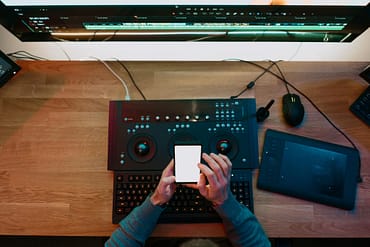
point(187, 158)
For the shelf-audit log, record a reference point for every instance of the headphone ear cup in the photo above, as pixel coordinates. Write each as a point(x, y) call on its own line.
point(262, 114)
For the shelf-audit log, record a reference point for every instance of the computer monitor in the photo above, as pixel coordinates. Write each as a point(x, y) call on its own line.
point(186, 20)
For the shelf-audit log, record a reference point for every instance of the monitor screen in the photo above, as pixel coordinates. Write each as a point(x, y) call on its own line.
point(191, 20)
point(184, 2)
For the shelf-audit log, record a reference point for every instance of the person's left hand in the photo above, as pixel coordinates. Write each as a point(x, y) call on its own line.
point(166, 186)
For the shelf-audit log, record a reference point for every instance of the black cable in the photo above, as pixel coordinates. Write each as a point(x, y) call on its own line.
point(132, 79)
point(282, 75)
point(252, 83)
point(317, 108)
point(282, 78)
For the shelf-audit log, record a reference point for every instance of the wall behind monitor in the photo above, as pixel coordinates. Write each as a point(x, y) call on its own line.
point(358, 50)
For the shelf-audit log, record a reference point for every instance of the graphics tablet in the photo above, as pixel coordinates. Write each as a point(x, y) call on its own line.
point(309, 169)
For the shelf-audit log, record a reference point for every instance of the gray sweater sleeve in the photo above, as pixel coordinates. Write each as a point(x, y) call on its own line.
point(135, 228)
point(241, 226)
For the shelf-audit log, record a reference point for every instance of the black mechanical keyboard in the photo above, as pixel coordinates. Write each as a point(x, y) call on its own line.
point(361, 107)
point(186, 206)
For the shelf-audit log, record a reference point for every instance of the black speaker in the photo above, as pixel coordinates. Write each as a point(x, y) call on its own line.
point(8, 68)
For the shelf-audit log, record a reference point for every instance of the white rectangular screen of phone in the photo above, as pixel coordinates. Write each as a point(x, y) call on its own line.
point(187, 158)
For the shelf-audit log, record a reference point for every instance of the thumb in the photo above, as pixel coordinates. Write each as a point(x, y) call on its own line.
point(202, 184)
point(168, 180)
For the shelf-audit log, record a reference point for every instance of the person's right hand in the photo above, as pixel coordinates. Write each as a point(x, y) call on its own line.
point(218, 173)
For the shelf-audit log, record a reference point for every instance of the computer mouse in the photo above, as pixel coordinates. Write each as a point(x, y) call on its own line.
point(293, 110)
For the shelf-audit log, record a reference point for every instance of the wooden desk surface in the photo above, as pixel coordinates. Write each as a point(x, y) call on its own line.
point(53, 142)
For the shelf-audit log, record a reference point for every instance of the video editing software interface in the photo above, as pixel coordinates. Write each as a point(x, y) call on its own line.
point(165, 20)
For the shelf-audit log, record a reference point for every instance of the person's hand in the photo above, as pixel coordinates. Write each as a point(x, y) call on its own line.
point(166, 186)
point(218, 173)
